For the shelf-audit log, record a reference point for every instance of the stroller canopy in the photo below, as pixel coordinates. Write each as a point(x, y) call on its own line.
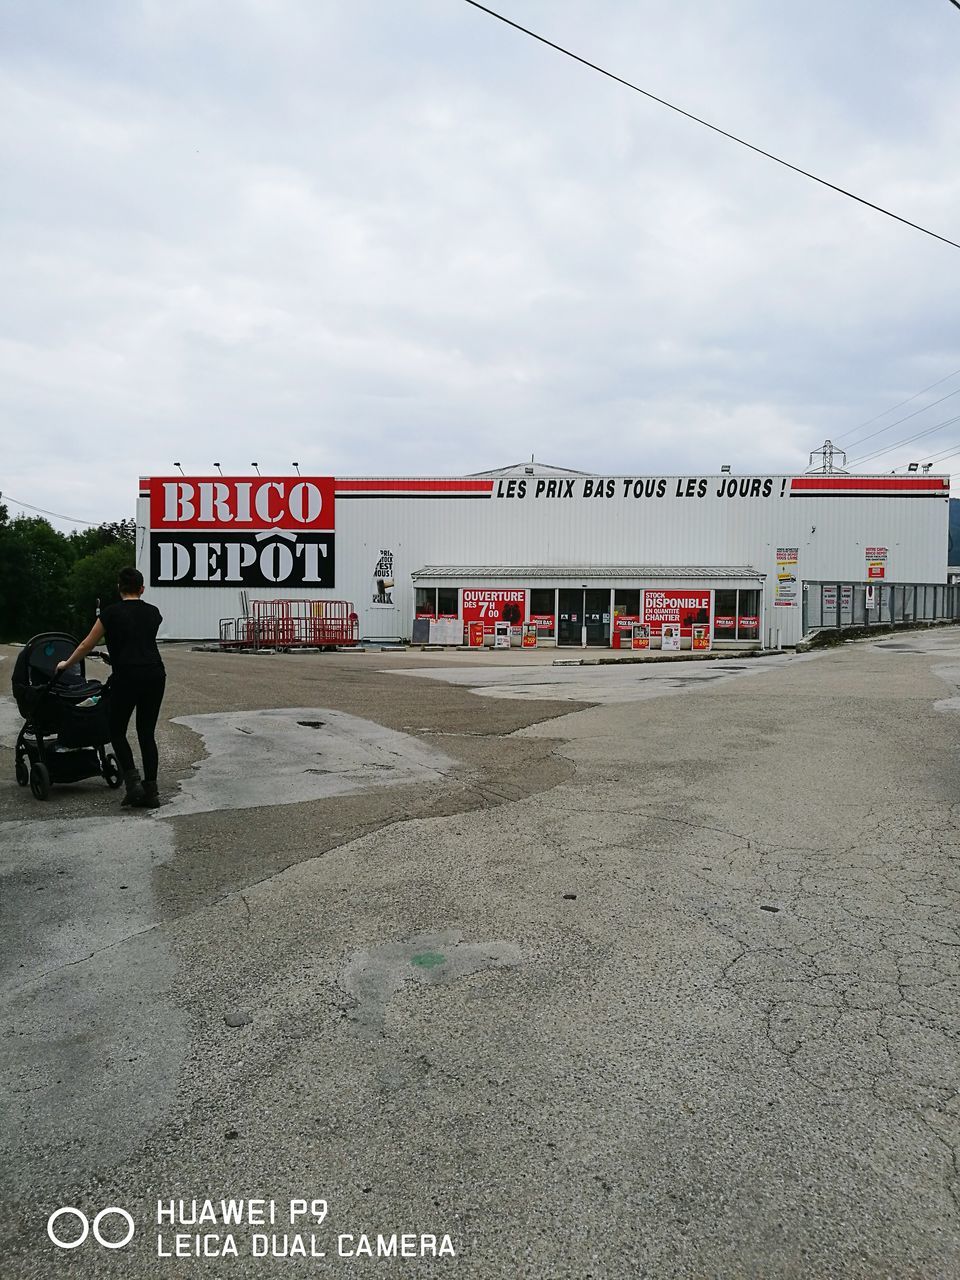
point(36, 666)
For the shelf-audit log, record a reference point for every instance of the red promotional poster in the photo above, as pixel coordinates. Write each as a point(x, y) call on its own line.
point(231, 503)
point(475, 635)
point(623, 629)
point(500, 604)
point(682, 608)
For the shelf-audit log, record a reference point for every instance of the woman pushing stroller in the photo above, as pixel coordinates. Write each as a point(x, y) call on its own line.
point(129, 629)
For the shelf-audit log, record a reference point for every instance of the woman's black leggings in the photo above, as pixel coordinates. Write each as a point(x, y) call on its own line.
point(139, 689)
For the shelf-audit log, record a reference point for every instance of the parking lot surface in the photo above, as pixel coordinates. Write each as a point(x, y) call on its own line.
point(596, 972)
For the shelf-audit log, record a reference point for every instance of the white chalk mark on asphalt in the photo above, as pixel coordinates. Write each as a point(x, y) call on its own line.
point(296, 754)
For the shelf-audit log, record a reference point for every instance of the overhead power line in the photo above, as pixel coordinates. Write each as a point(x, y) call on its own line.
point(6, 497)
point(893, 408)
point(907, 417)
point(933, 459)
point(878, 453)
point(568, 53)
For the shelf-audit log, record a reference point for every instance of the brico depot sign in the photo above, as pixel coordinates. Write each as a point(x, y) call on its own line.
point(226, 532)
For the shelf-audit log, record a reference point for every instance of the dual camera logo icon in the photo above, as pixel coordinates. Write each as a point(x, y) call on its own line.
point(86, 1227)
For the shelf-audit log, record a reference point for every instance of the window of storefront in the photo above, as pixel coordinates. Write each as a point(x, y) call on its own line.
point(736, 615)
point(426, 602)
point(725, 615)
point(626, 611)
point(626, 603)
point(748, 615)
point(448, 602)
point(542, 611)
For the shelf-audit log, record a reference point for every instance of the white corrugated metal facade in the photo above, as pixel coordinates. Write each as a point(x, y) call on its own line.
point(703, 531)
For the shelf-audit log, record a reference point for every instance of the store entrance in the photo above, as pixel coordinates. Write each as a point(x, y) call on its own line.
point(576, 609)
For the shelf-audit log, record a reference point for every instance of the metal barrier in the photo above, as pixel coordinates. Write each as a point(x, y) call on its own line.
point(843, 606)
point(293, 624)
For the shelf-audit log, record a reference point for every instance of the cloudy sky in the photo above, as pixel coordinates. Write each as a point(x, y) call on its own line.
point(396, 237)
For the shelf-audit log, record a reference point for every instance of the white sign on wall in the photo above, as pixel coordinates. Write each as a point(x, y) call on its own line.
point(785, 590)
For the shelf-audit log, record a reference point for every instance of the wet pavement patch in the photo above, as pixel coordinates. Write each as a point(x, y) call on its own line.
point(291, 755)
point(613, 682)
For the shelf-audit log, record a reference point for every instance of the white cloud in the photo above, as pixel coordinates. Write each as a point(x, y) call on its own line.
point(408, 234)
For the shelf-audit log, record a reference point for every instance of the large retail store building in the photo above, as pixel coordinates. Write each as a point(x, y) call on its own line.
point(585, 558)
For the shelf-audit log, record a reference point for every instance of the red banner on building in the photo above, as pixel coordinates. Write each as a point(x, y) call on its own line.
point(500, 604)
point(230, 503)
point(682, 608)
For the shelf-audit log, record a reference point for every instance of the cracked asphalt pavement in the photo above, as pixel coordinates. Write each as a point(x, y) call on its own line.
point(650, 980)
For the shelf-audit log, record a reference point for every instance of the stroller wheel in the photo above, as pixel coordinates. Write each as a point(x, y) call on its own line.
point(22, 771)
point(111, 772)
point(40, 781)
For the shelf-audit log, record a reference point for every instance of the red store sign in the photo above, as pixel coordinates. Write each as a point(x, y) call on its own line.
point(497, 605)
point(683, 608)
point(230, 503)
point(226, 531)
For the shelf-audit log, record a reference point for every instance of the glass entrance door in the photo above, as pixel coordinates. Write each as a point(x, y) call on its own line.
point(596, 611)
point(577, 609)
point(569, 615)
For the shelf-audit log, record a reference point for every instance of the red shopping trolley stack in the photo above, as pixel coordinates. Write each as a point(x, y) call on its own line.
point(293, 624)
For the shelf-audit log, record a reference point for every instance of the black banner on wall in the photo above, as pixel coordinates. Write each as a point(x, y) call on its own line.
point(274, 558)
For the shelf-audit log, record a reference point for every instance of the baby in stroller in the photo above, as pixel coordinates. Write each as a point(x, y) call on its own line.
point(66, 732)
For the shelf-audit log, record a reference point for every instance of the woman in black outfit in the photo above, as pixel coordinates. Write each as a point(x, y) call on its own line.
point(130, 629)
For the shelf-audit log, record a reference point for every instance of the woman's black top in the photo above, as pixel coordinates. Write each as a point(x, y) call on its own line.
point(131, 627)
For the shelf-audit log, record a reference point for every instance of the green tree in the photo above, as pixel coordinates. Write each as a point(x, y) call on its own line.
point(50, 581)
point(35, 561)
point(85, 541)
point(93, 578)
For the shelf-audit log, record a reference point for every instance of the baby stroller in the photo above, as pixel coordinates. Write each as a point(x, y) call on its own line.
point(66, 732)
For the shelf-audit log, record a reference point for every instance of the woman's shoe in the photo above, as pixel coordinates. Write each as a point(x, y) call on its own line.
point(134, 789)
point(151, 797)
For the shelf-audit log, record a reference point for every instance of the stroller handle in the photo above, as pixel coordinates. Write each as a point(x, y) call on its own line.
point(94, 653)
